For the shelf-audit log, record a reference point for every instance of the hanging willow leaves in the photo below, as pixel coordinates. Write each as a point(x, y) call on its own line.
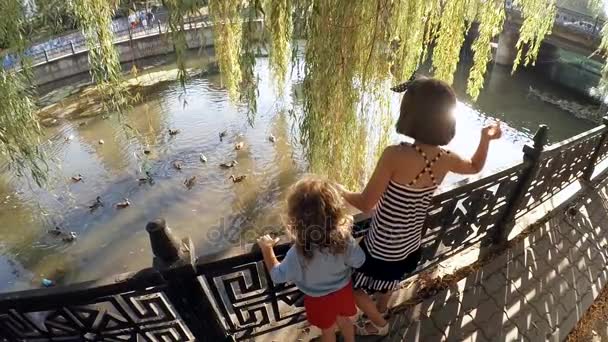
point(450, 37)
point(491, 17)
point(279, 24)
point(249, 47)
point(346, 47)
point(409, 35)
point(19, 129)
point(538, 16)
point(95, 20)
point(432, 19)
point(227, 38)
point(352, 49)
point(177, 11)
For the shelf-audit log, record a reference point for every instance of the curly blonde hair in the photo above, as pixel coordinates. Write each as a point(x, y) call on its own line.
point(317, 218)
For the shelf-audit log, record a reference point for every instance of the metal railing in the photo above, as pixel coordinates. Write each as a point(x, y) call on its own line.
point(229, 295)
point(580, 23)
point(78, 45)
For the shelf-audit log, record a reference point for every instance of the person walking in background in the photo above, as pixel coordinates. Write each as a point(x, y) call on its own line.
point(150, 18)
point(400, 190)
point(321, 260)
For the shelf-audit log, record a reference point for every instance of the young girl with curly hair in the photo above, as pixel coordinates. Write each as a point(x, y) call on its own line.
point(321, 260)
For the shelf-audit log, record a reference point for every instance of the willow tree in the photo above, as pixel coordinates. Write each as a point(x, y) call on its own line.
point(354, 50)
point(19, 128)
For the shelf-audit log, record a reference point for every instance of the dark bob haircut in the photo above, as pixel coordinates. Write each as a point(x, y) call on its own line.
point(426, 112)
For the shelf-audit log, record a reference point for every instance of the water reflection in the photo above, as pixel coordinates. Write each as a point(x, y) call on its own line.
point(216, 212)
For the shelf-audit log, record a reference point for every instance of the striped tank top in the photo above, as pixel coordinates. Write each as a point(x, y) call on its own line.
point(396, 225)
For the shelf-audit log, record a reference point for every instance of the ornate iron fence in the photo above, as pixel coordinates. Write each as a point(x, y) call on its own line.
point(229, 295)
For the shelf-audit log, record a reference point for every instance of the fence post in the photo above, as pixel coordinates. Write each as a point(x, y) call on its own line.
point(596, 152)
point(160, 32)
point(532, 163)
point(46, 56)
point(174, 260)
point(72, 46)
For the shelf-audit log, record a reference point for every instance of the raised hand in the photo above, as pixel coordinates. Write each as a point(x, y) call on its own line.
point(492, 131)
point(266, 241)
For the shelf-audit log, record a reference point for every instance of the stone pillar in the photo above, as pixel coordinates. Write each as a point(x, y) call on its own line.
point(175, 261)
point(506, 51)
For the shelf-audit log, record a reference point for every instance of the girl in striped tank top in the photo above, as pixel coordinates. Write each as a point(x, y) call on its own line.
point(400, 190)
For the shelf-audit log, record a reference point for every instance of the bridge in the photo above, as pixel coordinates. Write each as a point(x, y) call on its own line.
point(572, 31)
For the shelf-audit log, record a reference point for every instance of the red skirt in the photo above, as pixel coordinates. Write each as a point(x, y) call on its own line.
point(323, 311)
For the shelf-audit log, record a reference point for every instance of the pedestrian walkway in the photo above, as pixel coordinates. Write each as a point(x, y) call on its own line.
point(536, 290)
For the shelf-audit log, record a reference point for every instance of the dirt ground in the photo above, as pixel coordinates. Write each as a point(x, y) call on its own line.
point(593, 326)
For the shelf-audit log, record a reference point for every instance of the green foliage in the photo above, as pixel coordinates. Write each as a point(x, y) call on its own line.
point(491, 17)
point(539, 16)
point(279, 23)
point(354, 51)
point(227, 39)
point(346, 58)
point(53, 17)
point(19, 129)
point(179, 11)
point(95, 19)
point(450, 37)
point(249, 47)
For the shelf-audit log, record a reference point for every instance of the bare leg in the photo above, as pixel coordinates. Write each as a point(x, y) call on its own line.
point(367, 305)
point(347, 328)
point(382, 301)
point(329, 335)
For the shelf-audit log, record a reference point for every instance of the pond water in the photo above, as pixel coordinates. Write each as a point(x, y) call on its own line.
point(216, 212)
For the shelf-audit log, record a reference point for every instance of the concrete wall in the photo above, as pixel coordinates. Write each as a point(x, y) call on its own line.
point(506, 51)
point(129, 50)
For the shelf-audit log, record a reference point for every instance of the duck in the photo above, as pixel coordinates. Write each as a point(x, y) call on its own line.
point(190, 182)
point(237, 179)
point(70, 137)
point(173, 131)
point(101, 142)
point(123, 204)
point(147, 151)
point(272, 138)
point(71, 237)
point(203, 158)
point(147, 179)
point(96, 205)
point(77, 178)
point(223, 134)
point(239, 145)
point(55, 231)
point(228, 165)
point(177, 164)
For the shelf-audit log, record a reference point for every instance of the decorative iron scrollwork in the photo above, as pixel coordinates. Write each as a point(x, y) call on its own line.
point(132, 316)
point(558, 170)
point(248, 301)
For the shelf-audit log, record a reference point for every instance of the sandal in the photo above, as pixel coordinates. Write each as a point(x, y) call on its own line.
point(385, 314)
point(361, 330)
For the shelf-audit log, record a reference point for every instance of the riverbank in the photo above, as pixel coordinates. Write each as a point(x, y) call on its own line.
point(83, 100)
